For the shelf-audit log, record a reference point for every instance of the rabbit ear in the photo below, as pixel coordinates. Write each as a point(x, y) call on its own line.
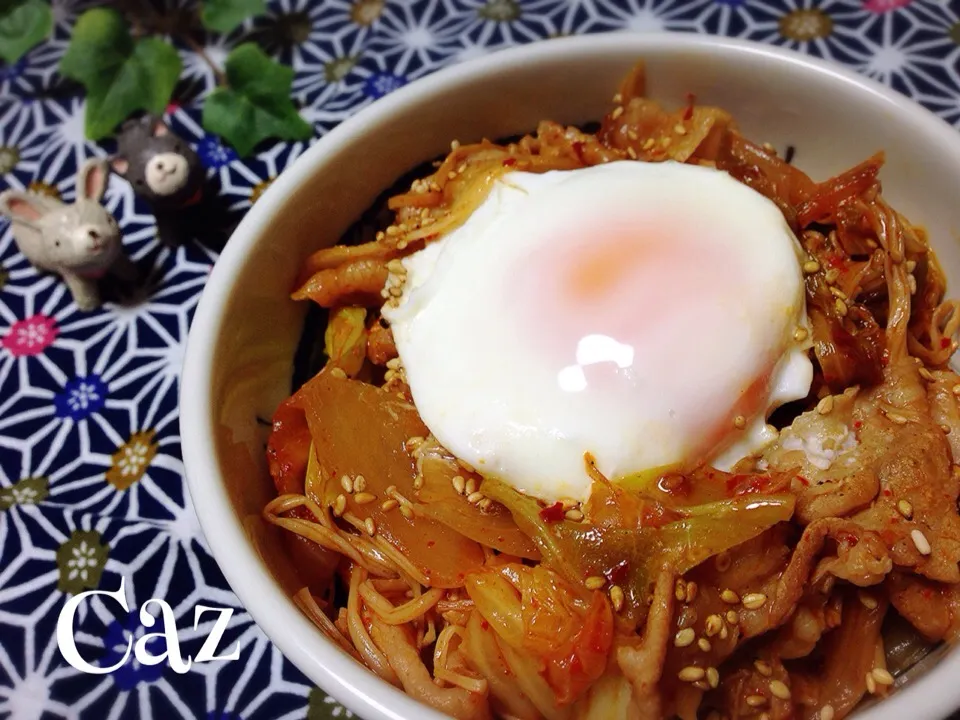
point(92, 179)
point(21, 206)
point(120, 165)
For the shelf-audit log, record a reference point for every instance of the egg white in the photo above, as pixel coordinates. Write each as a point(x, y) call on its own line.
point(490, 390)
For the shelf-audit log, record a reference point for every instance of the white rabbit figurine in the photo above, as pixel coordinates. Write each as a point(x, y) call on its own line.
point(80, 242)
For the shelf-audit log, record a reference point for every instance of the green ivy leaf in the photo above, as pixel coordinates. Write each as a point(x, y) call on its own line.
point(224, 15)
point(23, 25)
point(121, 75)
point(256, 104)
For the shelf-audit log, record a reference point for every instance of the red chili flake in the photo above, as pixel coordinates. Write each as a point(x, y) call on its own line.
point(944, 342)
point(803, 481)
point(509, 162)
point(691, 101)
point(618, 573)
point(431, 543)
point(927, 593)
point(857, 424)
point(578, 149)
point(576, 665)
point(847, 538)
point(836, 261)
point(887, 492)
point(553, 513)
point(484, 624)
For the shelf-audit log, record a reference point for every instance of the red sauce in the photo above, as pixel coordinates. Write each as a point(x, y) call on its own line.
point(553, 513)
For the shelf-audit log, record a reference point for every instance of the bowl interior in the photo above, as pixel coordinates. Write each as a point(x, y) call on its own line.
point(241, 346)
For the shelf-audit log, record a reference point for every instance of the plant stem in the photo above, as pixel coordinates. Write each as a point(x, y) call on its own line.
point(199, 50)
point(157, 20)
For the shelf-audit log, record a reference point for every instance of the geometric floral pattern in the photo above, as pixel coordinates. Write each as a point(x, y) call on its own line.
point(91, 478)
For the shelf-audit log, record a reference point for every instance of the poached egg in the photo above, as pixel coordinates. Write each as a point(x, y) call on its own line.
point(649, 314)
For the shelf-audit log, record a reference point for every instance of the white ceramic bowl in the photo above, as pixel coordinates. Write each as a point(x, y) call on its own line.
point(240, 351)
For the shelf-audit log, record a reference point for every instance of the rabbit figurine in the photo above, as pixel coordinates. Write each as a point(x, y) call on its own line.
point(80, 242)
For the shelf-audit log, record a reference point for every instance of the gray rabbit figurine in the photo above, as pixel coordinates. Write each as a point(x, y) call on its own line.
point(80, 242)
point(163, 170)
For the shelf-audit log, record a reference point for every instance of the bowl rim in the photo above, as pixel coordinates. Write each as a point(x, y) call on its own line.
point(296, 637)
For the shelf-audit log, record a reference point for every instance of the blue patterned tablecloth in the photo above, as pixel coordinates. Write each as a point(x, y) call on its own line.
point(91, 477)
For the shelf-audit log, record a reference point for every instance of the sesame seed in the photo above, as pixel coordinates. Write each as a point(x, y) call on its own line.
point(837, 292)
point(912, 284)
point(338, 373)
point(832, 275)
point(470, 487)
point(486, 505)
point(871, 684)
point(617, 112)
point(392, 231)
point(882, 676)
point(841, 307)
point(905, 509)
point(648, 143)
point(946, 429)
point(454, 144)
point(780, 689)
point(459, 484)
point(768, 147)
point(733, 617)
point(956, 389)
point(827, 712)
point(680, 590)
point(740, 422)
point(595, 582)
point(724, 633)
point(926, 375)
point(868, 601)
point(755, 701)
point(729, 597)
point(665, 141)
point(418, 481)
point(632, 135)
point(763, 668)
point(574, 515)
point(685, 637)
point(764, 716)
point(920, 540)
point(712, 625)
point(896, 418)
point(359, 483)
point(704, 644)
point(347, 484)
point(631, 152)
point(679, 129)
point(800, 334)
point(713, 677)
point(388, 504)
point(339, 505)
point(754, 601)
point(370, 526)
point(406, 512)
point(691, 673)
point(474, 498)
point(811, 266)
point(825, 406)
point(617, 99)
point(691, 593)
point(616, 597)
point(364, 498)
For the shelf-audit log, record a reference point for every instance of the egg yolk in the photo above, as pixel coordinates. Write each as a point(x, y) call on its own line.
point(614, 308)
